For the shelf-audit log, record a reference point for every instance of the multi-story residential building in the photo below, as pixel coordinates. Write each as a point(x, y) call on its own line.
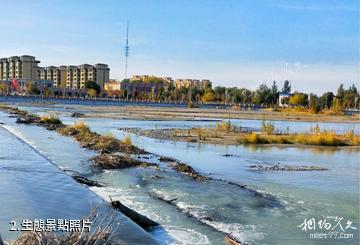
point(73, 77)
point(112, 85)
point(145, 77)
point(139, 89)
point(19, 67)
point(205, 83)
point(76, 76)
point(201, 84)
point(102, 74)
point(186, 83)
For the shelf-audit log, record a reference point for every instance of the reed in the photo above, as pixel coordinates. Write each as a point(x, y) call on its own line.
point(325, 138)
point(50, 119)
point(127, 140)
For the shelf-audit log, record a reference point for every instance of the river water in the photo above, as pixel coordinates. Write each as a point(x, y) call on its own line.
point(201, 212)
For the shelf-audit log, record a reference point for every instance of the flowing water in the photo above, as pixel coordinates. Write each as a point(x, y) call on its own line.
point(32, 186)
point(202, 212)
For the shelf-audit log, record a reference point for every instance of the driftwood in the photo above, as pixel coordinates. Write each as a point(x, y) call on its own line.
point(139, 219)
point(86, 181)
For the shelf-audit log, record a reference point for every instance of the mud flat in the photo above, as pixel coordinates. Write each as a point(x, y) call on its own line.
point(173, 113)
point(224, 137)
point(182, 113)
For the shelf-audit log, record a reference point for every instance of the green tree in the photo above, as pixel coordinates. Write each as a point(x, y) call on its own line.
point(32, 89)
point(219, 92)
point(341, 93)
point(262, 95)
point(287, 87)
point(326, 100)
point(92, 85)
point(274, 93)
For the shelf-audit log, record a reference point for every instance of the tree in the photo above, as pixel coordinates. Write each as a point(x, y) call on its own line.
point(274, 93)
point(92, 92)
point(299, 99)
point(4, 88)
point(209, 96)
point(262, 95)
point(287, 87)
point(314, 104)
point(350, 97)
point(183, 91)
point(92, 85)
point(340, 93)
point(326, 100)
point(219, 92)
point(32, 89)
point(245, 95)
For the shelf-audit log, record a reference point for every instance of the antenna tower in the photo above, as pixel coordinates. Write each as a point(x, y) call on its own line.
point(127, 50)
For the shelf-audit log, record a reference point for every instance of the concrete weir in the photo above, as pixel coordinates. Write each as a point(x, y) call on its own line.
point(33, 188)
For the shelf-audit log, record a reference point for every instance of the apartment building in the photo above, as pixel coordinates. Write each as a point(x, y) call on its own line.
point(72, 77)
point(201, 84)
point(19, 67)
point(76, 76)
point(146, 77)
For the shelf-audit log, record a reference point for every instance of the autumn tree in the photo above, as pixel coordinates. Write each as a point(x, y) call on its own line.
point(298, 99)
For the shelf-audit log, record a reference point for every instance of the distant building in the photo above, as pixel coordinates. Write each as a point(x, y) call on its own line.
point(72, 77)
point(19, 67)
point(140, 89)
point(112, 85)
point(146, 77)
point(201, 84)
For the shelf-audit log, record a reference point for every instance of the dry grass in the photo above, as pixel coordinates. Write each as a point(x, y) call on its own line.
point(224, 126)
point(306, 111)
point(91, 140)
point(50, 119)
point(127, 140)
point(99, 234)
point(325, 138)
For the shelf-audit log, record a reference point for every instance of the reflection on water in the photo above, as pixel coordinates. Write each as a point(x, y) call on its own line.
point(320, 150)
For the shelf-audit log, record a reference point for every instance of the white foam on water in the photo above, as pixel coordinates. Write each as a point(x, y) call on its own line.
point(243, 233)
point(181, 236)
point(168, 234)
point(126, 197)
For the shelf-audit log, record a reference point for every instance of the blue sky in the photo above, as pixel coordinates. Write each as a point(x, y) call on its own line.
point(240, 43)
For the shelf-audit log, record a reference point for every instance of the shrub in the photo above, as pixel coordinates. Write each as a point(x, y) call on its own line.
point(127, 140)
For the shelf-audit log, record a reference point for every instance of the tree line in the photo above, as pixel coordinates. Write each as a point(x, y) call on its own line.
point(264, 95)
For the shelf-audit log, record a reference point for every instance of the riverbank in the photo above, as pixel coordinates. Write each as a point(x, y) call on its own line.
point(159, 111)
point(176, 113)
point(232, 137)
